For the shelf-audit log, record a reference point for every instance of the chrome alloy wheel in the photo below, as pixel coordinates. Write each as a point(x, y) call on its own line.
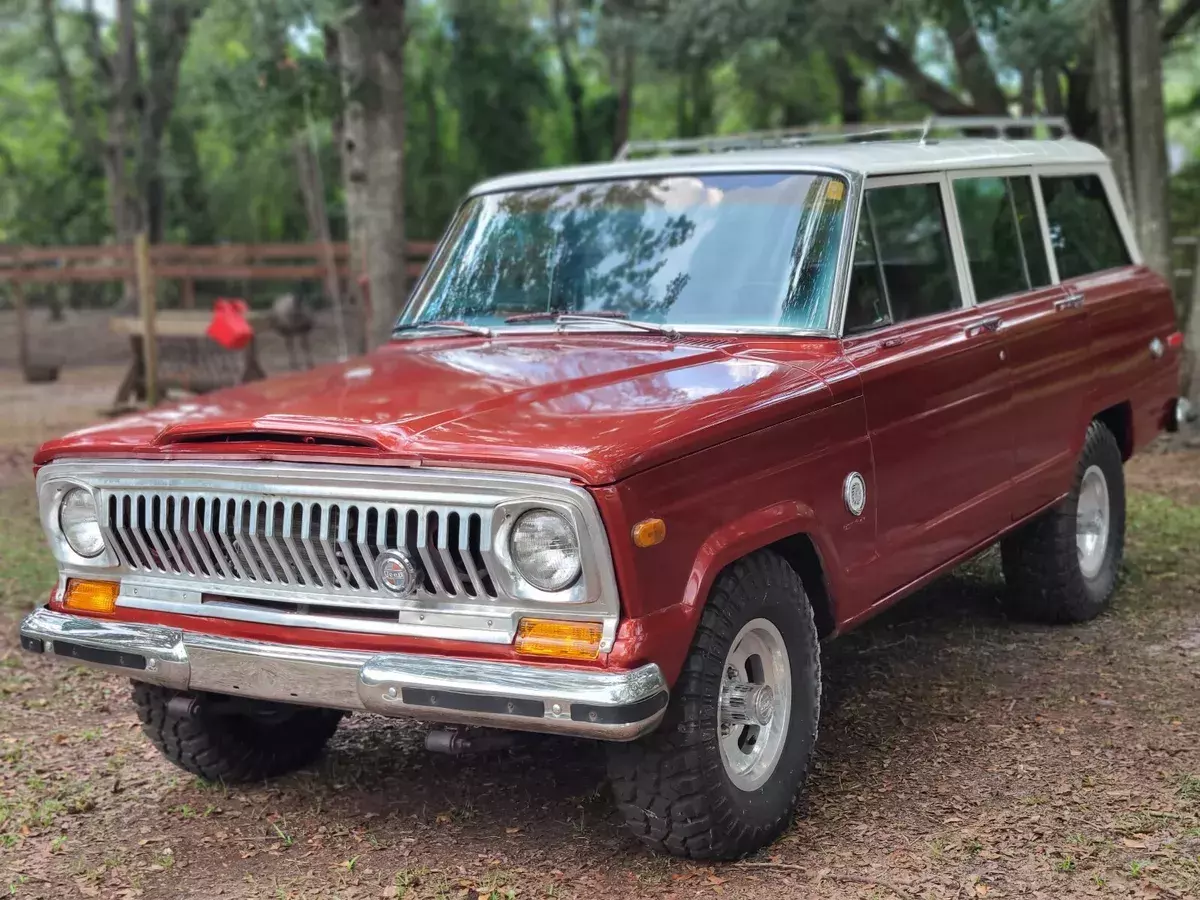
point(755, 704)
point(1092, 521)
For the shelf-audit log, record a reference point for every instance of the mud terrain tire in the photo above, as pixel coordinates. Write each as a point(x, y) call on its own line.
point(673, 787)
point(1043, 563)
point(229, 747)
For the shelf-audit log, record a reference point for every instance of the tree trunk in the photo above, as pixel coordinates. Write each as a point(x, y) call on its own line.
point(312, 188)
point(1191, 370)
point(1110, 95)
point(343, 49)
point(1052, 92)
point(574, 89)
point(849, 89)
point(624, 97)
point(1147, 122)
point(372, 50)
point(974, 67)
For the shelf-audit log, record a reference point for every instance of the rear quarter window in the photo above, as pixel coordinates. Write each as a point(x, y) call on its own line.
point(1083, 230)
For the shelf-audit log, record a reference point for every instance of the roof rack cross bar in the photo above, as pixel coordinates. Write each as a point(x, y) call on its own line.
point(921, 132)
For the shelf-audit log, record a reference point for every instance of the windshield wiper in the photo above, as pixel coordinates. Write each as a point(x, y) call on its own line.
point(599, 317)
point(553, 315)
point(590, 318)
point(444, 325)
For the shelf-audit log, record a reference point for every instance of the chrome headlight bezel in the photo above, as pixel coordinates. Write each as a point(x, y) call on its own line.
point(593, 550)
point(51, 495)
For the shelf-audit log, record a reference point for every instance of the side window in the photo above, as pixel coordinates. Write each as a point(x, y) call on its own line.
point(1004, 243)
point(1083, 232)
point(903, 268)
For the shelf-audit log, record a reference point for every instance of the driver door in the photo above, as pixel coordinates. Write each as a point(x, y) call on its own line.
point(935, 384)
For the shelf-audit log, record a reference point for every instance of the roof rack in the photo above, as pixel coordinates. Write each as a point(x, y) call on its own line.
point(921, 132)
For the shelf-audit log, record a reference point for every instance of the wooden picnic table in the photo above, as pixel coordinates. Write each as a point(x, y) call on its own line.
point(188, 359)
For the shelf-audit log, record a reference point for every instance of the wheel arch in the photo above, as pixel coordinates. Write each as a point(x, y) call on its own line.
point(800, 552)
point(1118, 419)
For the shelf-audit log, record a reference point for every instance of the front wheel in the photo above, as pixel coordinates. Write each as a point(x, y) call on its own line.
point(246, 740)
point(1063, 566)
point(722, 775)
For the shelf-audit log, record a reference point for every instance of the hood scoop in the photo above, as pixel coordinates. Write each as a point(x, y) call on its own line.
point(296, 434)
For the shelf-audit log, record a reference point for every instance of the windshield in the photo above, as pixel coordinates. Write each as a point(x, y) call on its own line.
point(706, 250)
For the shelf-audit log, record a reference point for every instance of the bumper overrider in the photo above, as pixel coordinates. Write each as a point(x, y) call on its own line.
point(609, 705)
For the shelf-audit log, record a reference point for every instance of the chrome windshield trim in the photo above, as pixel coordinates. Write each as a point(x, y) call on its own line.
point(661, 168)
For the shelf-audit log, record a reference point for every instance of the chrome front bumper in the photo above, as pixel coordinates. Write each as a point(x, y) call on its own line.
point(616, 706)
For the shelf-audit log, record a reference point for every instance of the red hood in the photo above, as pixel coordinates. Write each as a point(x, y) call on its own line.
point(596, 407)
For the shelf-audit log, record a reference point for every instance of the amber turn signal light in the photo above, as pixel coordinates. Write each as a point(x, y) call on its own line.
point(96, 597)
point(649, 532)
point(566, 640)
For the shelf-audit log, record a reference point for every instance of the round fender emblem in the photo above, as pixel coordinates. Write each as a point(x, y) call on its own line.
point(396, 572)
point(854, 492)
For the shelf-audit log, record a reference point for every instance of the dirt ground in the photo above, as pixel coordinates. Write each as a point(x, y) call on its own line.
point(961, 755)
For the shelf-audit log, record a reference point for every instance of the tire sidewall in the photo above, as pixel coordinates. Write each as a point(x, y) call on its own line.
point(1100, 450)
point(776, 798)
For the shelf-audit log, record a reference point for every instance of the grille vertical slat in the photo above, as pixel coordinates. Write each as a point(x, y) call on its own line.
point(464, 551)
point(449, 567)
point(431, 571)
point(280, 567)
point(226, 510)
point(343, 542)
point(241, 531)
point(293, 560)
point(138, 518)
point(180, 536)
point(325, 551)
point(196, 507)
point(210, 511)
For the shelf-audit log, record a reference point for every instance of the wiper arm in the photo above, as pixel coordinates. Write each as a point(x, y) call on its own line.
point(444, 325)
point(589, 318)
point(555, 315)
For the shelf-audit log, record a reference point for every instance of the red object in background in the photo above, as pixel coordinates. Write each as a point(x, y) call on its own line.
point(229, 327)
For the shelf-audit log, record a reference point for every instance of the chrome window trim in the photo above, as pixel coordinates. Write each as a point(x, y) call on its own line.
point(1112, 194)
point(500, 495)
point(953, 233)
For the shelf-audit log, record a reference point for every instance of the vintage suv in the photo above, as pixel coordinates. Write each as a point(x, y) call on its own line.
point(648, 432)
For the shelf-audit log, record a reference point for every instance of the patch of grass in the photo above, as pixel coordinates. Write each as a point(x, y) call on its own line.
point(28, 571)
point(1189, 787)
point(1161, 538)
point(1137, 867)
point(1065, 864)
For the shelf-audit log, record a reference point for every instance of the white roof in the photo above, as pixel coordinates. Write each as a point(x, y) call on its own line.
point(863, 158)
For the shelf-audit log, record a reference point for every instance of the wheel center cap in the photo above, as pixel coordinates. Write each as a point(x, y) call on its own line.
point(763, 704)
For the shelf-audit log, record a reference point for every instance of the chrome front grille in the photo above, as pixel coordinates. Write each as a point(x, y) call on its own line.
point(326, 547)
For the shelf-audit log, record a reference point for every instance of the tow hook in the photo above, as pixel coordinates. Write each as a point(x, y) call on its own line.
point(457, 741)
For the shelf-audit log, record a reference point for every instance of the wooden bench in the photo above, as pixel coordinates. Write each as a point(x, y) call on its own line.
point(188, 360)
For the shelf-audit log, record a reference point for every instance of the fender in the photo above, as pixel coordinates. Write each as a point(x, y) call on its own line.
point(665, 636)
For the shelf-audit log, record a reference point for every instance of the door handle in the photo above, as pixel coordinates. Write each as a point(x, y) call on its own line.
point(1074, 300)
point(989, 325)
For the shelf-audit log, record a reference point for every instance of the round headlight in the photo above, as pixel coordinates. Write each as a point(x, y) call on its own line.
point(79, 524)
point(545, 550)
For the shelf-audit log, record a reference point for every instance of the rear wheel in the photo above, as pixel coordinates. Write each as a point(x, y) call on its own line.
point(1063, 566)
point(232, 739)
point(722, 775)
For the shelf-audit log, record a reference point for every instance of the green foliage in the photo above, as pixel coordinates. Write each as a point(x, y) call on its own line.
point(486, 92)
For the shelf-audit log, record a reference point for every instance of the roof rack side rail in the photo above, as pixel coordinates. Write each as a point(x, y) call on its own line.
point(921, 132)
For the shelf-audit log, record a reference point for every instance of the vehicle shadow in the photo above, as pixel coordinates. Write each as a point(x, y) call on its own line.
point(543, 796)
